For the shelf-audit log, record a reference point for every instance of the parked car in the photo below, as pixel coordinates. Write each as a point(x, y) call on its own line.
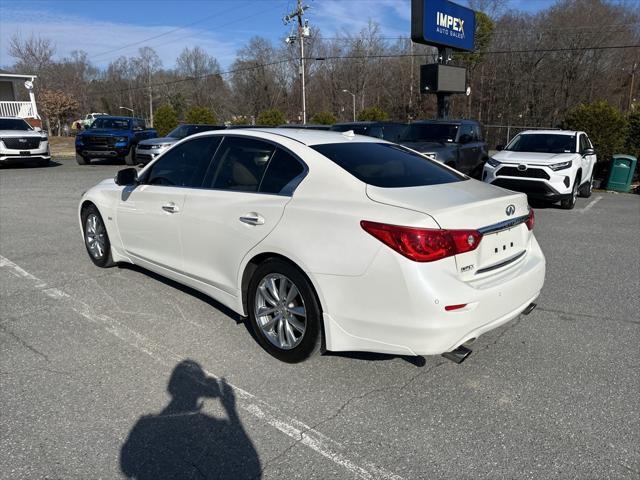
point(310, 126)
point(323, 238)
point(147, 150)
point(90, 117)
point(20, 143)
point(459, 144)
point(112, 137)
point(551, 165)
point(389, 131)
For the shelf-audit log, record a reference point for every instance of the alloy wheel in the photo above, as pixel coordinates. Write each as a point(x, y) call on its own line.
point(280, 311)
point(95, 236)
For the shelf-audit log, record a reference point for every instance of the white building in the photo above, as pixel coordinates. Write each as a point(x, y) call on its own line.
point(14, 87)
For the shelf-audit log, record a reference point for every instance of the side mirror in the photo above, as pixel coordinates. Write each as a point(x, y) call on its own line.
point(499, 147)
point(589, 151)
point(126, 176)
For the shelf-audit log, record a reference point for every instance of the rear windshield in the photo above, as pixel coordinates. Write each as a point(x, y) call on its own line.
point(387, 165)
point(543, 143)
point(430, 132)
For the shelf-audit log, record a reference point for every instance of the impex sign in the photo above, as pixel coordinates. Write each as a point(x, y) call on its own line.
point(443, 24)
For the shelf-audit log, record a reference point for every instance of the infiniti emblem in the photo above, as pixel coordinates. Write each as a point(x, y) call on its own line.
point(510, 210)
point(522, 167)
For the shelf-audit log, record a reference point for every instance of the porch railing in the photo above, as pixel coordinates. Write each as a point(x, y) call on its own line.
point(16, 109)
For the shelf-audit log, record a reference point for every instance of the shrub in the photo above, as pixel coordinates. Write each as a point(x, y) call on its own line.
point(271, 117)
point(373, 114)
point(324, 118)
point(165, 120)
point(633, 137)
point(605, 125)
point(200, 115)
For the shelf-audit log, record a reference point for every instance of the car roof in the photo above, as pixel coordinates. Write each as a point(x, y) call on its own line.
point(446, 122)
point(305, 136)
point(120, 117)
point(555, 132)
point(367, 123)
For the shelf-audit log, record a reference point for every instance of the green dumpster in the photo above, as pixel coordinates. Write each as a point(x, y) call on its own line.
point(621, 173)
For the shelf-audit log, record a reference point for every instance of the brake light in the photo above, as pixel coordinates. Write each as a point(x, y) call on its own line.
point(531, 220)
point(450, 308)
point(423, 244)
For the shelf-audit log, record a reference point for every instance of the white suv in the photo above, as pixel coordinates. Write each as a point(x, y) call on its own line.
point(553, 165)
point(21, 143)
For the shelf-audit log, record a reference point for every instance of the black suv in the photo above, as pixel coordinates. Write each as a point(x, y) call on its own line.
point(457, 143)
point(389, 131)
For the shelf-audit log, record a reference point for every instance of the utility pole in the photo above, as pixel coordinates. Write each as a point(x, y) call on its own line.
point(303, 31)
point(633, 77)
point(150, 100)
point(444, 99)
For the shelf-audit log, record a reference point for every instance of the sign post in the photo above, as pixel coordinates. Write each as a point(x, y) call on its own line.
point(447, 26)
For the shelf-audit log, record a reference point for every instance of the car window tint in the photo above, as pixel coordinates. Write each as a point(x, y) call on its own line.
point(283, 174)
point(240, 164)
point(583, 143)
point(387, 165)
point(185, 164)
point(466, 129)
point(477, 133)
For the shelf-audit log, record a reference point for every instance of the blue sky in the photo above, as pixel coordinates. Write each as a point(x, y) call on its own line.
point(106, 28)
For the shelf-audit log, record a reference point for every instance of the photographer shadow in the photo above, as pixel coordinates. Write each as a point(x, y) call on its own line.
point(183, 442)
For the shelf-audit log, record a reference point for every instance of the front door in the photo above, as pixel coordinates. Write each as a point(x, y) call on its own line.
point(243, 199)
point(148, 215)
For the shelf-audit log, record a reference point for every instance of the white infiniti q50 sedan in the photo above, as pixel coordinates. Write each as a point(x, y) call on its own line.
point(324, 240)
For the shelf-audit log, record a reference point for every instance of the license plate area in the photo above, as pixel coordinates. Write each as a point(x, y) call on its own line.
point(25, 152)
point(499, 246)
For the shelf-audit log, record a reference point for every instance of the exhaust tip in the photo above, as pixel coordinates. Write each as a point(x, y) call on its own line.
point(529, 308)
point(458, 355)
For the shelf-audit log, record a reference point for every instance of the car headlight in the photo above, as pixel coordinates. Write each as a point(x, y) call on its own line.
point(121, 139)
point(560, 166)
point(163, 145)
point(493, 162)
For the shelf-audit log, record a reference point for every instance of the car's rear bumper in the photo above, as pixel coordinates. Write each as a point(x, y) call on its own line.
point(398, 306)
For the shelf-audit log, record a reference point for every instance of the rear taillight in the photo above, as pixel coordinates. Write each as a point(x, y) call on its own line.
point(423, 244)
point(531, 220)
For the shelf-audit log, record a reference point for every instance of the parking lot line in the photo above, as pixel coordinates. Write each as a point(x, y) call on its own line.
point(299, 431)
point(590, 205)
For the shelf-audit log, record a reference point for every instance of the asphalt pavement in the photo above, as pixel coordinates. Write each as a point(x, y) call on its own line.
point(119, 373)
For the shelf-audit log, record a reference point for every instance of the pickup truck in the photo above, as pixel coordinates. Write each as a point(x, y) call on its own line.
point(112, 137)
point(457, 143)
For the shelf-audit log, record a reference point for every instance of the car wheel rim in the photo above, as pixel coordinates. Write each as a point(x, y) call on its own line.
point(280, 311)
point(95, 236)
point(574, 194)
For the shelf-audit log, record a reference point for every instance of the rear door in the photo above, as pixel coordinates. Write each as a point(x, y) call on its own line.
point(242, 200)
point(148, 215)
point(467, 147)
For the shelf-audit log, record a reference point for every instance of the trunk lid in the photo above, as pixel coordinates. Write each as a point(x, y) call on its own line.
point(474, 205)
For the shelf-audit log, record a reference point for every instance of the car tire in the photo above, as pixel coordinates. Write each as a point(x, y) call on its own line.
point(286, 323)
point(96, 238)
point(130, 158)
point(587, 188)
point(81, 160)
point(570, 202)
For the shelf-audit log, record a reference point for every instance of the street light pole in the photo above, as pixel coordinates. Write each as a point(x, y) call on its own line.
point(354, 102)
point(133, 114)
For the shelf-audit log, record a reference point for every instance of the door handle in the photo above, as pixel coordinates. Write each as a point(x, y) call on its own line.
point(170, 207)
point(252, 218)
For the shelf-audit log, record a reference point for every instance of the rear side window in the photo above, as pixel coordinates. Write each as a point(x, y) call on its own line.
point(240, 164)
point(283, 174)
point(386, 165)
point(185, 164)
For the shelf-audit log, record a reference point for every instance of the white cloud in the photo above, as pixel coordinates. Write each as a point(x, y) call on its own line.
point(340, 17)
point(99, 37)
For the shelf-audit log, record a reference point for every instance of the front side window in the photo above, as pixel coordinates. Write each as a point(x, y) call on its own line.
point(387, 165)
point(466, 133)
point(240, 164)
point(184, 165)
point(543, 143)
